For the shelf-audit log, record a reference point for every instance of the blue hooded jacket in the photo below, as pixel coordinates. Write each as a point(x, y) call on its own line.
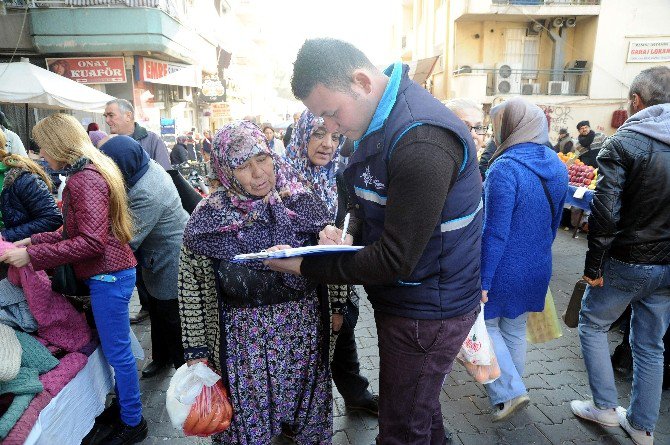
point(519, 228)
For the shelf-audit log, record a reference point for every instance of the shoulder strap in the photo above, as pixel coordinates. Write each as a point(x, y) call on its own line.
point(546, 192)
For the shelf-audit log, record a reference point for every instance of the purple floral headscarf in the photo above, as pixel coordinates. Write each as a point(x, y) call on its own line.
point(231, 222)
point(322, 178)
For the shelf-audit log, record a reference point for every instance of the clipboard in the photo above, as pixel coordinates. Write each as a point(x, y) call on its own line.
point(295, 252)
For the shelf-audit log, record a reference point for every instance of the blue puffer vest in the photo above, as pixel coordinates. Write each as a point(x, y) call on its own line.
point(446, 281)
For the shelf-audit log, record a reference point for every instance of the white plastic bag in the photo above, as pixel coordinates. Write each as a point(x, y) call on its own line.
point(185, 385)
point(477, 354)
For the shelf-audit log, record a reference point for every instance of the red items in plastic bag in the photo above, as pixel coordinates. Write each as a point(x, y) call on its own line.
point(198, 402)
point(211, 413)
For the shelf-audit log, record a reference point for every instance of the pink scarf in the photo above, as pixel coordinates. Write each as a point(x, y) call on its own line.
point(58, 322)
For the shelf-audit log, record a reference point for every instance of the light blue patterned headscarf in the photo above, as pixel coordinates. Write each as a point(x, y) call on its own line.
point(321, 178)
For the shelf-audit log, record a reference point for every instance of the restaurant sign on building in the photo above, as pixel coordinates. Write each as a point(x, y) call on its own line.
point(167, 73)
point(90, 70)
point(653, 51)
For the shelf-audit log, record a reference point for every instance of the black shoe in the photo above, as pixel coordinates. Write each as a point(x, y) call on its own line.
point(111, 415)
point(140, 316)
point(370, 405)
point(123, 434)
point(152, 368)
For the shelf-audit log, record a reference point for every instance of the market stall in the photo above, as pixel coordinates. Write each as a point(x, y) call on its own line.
point(582, 183)
point(25, 83)
point(28, 84)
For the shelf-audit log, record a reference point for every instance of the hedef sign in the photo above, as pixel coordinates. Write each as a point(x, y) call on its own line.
point(90, 70)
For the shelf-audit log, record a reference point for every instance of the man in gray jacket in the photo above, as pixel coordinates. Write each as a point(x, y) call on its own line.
point(120, 117)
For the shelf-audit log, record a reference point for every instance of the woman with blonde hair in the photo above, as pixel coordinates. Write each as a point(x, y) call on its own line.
point(94, 240)
point(26, 202)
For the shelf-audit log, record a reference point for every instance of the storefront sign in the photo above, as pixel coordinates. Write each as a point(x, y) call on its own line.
point(649, 51)
point(212, 90)
point(90, 70)
point(167, 73)
point(220, 110)
point(167, 126)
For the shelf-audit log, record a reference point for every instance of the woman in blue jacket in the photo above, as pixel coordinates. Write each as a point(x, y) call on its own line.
point(26, 202)
point(524, 193)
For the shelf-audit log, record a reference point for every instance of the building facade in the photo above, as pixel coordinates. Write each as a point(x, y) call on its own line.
point(574, 58)
point(153, 53)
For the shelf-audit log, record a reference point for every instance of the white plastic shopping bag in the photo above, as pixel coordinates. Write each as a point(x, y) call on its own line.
point(197, 402)
point(477, 354)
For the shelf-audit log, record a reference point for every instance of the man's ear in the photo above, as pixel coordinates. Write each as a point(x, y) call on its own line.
point(362, 80)
point(637, 103)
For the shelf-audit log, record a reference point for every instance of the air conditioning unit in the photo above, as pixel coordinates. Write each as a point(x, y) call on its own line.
point(557, 22)
point(530, 88)
point(535, 27)
point(555, 88)
point(507, 78)
point(469, 69)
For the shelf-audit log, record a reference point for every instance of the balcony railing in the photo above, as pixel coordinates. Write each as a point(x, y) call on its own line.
point(567, 82)
point(545, 2)
point(174, 8)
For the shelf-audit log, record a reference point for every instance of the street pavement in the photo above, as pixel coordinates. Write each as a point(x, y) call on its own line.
point(555, 374)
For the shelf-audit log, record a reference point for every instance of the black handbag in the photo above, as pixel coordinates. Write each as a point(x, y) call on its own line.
point(571, 314)
point(64, 280)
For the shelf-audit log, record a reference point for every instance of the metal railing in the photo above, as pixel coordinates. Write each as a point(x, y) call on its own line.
point(174, 8)
point(567, 82)
point(545, 2)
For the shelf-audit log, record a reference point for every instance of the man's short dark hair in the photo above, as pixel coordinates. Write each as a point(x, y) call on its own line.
point(652, 86)
point(329, 62)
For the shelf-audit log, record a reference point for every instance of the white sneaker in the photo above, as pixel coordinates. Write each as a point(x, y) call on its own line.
point(586, 409)
point(503, 410)
point(639, 437)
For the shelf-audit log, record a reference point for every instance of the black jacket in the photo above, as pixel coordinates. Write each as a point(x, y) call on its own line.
point(28, 207)
point(630, 212)
point(179, 154)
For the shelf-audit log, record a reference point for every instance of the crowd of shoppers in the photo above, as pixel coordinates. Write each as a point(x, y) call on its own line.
point(278, 330)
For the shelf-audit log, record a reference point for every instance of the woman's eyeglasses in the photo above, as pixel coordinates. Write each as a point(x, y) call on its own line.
point(320, 135)
point(479, 129)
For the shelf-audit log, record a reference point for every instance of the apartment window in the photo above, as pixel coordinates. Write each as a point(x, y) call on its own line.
point(522, 50)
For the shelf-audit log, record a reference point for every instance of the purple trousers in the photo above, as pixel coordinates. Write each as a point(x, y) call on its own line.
point(415, 357)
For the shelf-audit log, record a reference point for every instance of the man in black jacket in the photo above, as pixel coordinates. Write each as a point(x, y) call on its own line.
point(628, 261)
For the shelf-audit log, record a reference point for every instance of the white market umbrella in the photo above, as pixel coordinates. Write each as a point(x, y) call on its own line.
point(25, 83)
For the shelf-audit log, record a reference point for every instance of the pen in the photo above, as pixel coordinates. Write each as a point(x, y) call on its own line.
point(346, 226)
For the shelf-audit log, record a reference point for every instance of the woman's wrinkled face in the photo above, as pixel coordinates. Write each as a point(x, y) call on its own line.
point(321, 147)
point(257, 175)
point(473, 119)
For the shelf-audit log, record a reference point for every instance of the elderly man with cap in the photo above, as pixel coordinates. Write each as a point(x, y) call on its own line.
point(589, 143)
point(565, 143)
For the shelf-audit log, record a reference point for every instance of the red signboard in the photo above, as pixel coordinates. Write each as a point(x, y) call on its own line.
point(90, 70)
point(169, 73)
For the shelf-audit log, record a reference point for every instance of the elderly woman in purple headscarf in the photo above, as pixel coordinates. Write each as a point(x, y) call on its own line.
point(260, 329)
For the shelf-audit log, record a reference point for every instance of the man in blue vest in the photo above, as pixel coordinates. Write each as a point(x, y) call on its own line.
point(417, 210)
